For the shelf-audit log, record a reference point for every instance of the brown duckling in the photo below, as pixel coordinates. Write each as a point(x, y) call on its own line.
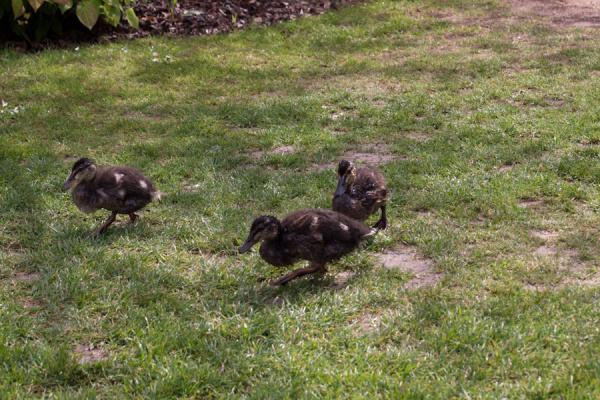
point(122, 190)
point(319, 236)
point(360, 192)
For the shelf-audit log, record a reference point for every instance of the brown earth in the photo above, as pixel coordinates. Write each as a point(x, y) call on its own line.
point(561, 13)
point(204, 17)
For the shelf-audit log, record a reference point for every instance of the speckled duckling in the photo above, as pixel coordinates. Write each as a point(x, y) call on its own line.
point(121, 190)
point(361, 191)
point(319, 236)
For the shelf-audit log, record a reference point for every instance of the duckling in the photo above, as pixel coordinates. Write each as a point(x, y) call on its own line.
point(319, 236)
point(360, 192)
point(122, 190)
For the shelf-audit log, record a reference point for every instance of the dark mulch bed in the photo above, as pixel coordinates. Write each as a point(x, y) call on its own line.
point(189, 18)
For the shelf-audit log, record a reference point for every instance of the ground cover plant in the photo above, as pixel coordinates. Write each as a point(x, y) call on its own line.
point(484, 123)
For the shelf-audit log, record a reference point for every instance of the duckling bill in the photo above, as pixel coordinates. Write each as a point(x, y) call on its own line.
point(319, 236)
point(361, 191)
point(121, 190)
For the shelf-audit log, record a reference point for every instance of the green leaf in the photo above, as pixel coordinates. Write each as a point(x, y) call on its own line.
point(18, 8)
point(112, 14)
point(87, 12)
point(35, 4)
point(132, 18)
point(63, 2)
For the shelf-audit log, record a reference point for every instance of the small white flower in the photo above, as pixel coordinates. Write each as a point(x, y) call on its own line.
point(4, 104)
point(76, 48)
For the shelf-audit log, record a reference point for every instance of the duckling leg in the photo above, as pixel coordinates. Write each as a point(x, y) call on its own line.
point(300, 272)
point(132, 218)
point(109, 221)
point(382, 223)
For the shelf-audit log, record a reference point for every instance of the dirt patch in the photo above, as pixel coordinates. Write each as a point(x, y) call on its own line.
point(29, 304)
point(254, 166)
point(538, 206)
point(378, 155)
point(369, 158)
point(561, 13)
point(283, 150)
point(535, 288)
point(27, 277)
point(545, 250)
point(544, 235)
point(89, 354)
point(504, 168)
point(407, 259)
point(530, 203)
point(341, 280)
point(568, 263)
point(594, 281)
point(549, 250)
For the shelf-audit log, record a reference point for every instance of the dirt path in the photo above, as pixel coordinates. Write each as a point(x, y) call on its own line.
point(564, 13)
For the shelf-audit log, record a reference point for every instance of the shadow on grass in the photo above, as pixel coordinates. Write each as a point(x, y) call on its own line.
point(296, 292)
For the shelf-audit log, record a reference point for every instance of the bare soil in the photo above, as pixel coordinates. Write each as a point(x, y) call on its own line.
point(23, 276)
point(88, 354)
point(561, 13)
point(407, 259)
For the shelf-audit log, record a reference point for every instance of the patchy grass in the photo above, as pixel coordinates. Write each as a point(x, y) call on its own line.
point(486, 127)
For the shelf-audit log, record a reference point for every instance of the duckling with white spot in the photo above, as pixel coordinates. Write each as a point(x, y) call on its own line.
point(361, 191)
point(122, 190)
point(319, 236)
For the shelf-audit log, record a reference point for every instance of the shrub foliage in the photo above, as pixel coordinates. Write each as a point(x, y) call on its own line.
point(33, 19)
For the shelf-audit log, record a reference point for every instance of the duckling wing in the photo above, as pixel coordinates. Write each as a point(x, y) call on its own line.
point(370, 188)
point(322, 235)
point(123, 189)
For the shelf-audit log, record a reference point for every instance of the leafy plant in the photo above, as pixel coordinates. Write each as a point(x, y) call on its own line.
point(33, 19)
point(171, 4)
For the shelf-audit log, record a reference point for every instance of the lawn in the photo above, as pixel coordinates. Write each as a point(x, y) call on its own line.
point(485, 285)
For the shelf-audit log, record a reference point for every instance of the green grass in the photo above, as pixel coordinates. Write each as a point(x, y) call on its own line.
point(493, 128)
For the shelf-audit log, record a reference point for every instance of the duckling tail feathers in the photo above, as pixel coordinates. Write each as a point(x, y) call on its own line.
point(156, 196)
point(379, 226)
point(372, 232)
